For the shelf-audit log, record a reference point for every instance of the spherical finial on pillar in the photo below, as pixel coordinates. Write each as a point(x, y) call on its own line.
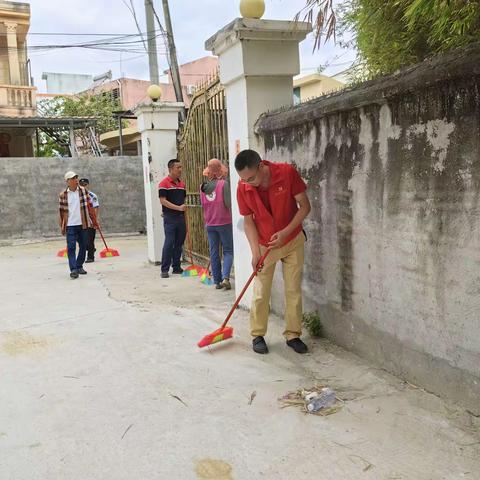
point(252, 8)
point(154, 92)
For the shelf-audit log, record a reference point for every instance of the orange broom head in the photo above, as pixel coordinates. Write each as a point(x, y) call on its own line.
point(62, 253)
point(191, 271)
point(109, 252)
point(206, 279)
point(216, 336)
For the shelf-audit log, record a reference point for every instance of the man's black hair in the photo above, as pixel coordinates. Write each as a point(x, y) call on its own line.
point(247, 159)
point(172, 162)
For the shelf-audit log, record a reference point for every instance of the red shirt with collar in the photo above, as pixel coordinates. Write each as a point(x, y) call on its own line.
point(174, 192)
point(285, 183)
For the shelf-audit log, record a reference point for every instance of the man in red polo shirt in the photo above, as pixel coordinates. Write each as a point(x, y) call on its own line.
point(172, 194)
point(272, 198)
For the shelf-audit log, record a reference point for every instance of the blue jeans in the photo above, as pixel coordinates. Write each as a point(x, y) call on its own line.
point(223, 235)
point(175, 233)
point(76, 234)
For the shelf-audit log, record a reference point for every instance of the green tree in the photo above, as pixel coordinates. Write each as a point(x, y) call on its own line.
point(390, 34)
point(100, 107)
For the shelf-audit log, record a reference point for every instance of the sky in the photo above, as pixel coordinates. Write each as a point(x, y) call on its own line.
point(194, 21)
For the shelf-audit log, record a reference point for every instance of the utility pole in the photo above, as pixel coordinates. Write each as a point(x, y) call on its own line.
point(152, 43)
point(177, 84)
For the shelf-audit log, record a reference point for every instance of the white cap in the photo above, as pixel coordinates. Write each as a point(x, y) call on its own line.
point(70, 175)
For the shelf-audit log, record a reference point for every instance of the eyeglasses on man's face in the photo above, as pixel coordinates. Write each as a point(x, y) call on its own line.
point(252, 178)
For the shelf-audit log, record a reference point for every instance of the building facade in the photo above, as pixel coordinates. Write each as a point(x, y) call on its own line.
point(314, 85)
point(132, 92)
point(17, 95)
point(66, 83)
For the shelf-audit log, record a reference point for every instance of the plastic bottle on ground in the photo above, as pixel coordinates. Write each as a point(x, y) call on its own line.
point(324, 399)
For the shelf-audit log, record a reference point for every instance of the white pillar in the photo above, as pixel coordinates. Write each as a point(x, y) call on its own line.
point(73, 142)
point(12, 45)
point(258, 60)
point(158, 125)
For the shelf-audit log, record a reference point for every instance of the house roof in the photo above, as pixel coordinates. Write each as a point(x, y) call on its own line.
point(112, 139)
point(52, 122)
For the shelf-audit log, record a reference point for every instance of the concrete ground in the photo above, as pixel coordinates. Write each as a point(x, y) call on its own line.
point(101, 379)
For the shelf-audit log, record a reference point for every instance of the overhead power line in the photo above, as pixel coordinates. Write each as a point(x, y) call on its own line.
point(117, 43)
point(171, 51)
point(70, 34)
point(131, 7)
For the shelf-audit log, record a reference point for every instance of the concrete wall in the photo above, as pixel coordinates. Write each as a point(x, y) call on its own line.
point(393, 255)
point(29, 189)
point(67, 83)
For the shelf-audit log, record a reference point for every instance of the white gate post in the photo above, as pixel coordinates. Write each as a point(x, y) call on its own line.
point(258, 60)
point(158, 125)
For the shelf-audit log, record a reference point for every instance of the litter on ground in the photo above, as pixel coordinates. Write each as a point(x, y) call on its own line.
point(317, 400)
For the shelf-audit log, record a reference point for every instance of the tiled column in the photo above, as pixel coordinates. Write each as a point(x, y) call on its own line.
point(12, 45)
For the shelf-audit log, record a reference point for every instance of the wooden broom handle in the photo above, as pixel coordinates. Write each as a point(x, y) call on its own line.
point(189, 239)
point(103, 238)
point(93, 218)
point(249, 281)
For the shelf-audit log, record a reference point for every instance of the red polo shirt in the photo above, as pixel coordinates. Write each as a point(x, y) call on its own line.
point(174, 192)
point(285, 183)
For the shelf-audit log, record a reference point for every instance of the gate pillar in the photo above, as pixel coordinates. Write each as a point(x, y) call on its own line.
point(158, 125)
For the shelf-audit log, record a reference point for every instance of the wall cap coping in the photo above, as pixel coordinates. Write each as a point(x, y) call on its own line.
point(257, 29)
point(454, 65)
point(159, 107)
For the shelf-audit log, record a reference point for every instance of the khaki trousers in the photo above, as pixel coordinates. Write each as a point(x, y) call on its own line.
point(291, 256)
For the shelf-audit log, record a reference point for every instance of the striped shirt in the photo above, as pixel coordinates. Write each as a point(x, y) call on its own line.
point(63, 207)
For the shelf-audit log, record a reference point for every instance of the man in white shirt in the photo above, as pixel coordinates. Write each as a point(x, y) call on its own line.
point(74, 221)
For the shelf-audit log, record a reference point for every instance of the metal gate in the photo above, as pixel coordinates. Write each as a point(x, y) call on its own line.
point(204, 136)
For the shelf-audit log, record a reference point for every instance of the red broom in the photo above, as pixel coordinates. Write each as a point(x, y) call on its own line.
point(63, 253)
point(224, 332)
point(205, 276)
point(107, 252)
point(192, 270)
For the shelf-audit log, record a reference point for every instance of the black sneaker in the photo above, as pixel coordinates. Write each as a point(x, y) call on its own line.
point(177, 271)
point(165, 275)
point(297, 345)
point(89, 260)
point(73, 274)
point(81, 271)
point(219, 286)
point(259, 345)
